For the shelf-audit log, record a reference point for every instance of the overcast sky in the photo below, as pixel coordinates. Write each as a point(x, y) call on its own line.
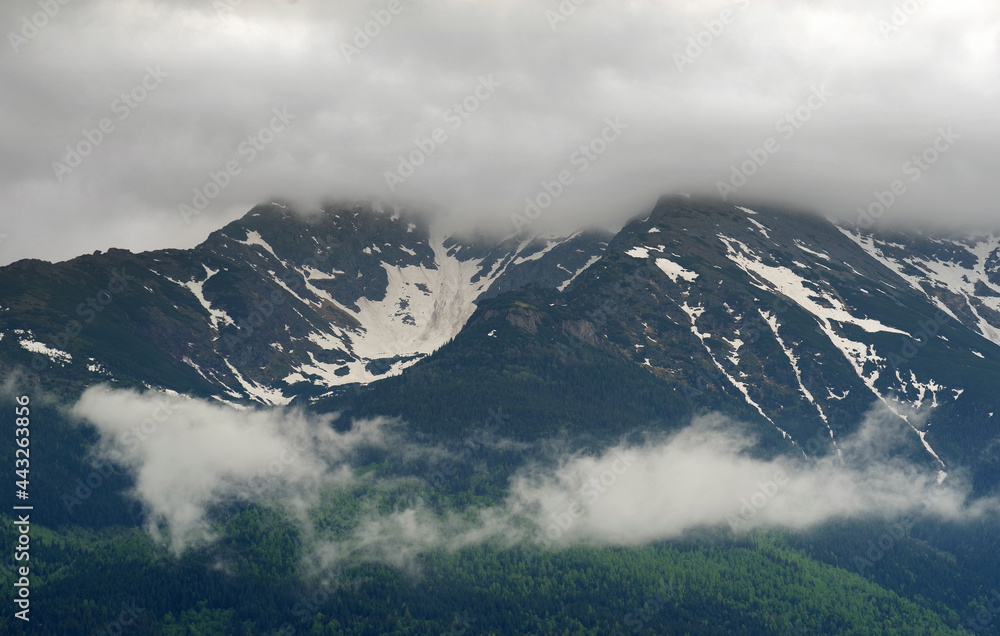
point(684, 94)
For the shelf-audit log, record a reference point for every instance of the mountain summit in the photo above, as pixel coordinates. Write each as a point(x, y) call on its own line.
point(273, 304)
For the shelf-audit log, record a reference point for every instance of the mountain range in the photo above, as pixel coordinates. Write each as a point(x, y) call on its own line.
point(347, 421)
point(786, 319)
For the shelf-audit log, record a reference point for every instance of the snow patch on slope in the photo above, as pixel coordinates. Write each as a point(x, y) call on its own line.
point(694, 313)
point(951, 276)
point(272, 397)
point(590, 261)
point(805, 249)
point(216, 316)
point(423, 308)
point(760, 226)
point(824, 305)
point(863, 357)
point(675, 271)
point(56, 355)
point(772, 322)
point(254, 239)
point(549, 245)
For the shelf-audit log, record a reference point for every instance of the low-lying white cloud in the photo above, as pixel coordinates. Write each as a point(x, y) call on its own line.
point(703, 476)
point(188, 455)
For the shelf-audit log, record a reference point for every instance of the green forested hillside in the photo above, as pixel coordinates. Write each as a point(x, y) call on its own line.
point(262, 574)
point(758, 585)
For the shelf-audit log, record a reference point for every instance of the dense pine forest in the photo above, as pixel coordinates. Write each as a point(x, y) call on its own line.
point(97, 569)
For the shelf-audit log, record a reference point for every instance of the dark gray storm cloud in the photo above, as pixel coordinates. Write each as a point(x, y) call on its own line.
point(116, 113)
